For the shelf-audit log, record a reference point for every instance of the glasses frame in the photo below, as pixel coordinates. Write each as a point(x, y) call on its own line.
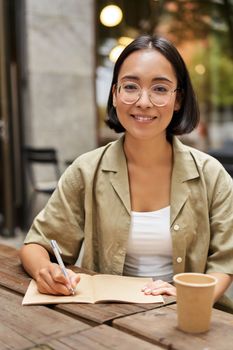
point(118, 86)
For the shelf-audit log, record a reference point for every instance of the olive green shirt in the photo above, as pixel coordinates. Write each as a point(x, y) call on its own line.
point(92, 205)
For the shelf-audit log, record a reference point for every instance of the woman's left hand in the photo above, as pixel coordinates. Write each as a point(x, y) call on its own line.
point(159, 287)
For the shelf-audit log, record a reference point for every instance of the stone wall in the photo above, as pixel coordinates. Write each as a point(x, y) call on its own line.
point(59, 98)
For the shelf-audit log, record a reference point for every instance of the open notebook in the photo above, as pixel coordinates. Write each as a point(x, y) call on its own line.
point(97, 289)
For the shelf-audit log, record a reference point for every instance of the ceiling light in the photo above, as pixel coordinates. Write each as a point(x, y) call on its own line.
point(111, 15)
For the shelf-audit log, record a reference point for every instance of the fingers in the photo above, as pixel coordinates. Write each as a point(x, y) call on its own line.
point(152, 285)
point(159, 287)
point(47, 286)
point(74, 278)
point(51, 280)
point(164, 291)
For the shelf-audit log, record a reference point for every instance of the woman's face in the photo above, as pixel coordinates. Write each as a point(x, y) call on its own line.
point(142, 119)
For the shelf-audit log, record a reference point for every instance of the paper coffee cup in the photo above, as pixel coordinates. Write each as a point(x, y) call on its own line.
point(195, 293)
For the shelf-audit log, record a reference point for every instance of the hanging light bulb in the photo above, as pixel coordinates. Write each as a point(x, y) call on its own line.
point(111, 15)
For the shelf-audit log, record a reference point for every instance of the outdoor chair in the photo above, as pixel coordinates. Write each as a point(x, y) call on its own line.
point(43, 172)
point(225, 155)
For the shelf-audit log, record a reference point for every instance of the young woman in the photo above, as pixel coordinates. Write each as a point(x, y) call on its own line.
point(145, 205)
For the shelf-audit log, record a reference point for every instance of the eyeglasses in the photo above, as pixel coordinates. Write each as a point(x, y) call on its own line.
point(159, 94)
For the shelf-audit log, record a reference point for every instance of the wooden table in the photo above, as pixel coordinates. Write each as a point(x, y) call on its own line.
point(98, 326)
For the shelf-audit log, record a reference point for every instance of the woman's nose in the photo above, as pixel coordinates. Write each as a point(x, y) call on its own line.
point(144, 100)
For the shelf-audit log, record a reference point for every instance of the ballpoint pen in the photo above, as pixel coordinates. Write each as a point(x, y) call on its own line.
point(57, 252)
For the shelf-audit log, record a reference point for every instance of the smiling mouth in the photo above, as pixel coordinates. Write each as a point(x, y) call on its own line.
point(143, 118)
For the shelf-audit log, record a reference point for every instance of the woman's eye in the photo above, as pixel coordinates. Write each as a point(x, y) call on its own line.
point(130, 87)
point(160, 89)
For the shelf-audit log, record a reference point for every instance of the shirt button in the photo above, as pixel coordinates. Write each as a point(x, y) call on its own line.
point(176, 227)
point(179, 260)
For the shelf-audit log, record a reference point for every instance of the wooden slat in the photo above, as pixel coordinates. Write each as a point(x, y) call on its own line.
point(56, 345)
point(159, 326)
point(7, 251)
point(24, 326)
point(101, 338)
point(11, 339)
point(99, 313)
point(106, 312)
point(12, 274)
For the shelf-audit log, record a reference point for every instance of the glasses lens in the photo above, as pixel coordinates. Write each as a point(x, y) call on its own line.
point(129, 92)
point(160, 94)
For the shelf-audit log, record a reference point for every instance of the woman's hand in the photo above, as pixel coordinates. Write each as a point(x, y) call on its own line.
point(51, 280)
point(159, 287)
point(49, 277)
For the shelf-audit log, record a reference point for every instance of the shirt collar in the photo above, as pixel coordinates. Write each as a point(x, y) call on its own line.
point(184, 168)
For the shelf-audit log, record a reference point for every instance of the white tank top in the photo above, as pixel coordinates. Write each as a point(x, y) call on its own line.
point(149, 250)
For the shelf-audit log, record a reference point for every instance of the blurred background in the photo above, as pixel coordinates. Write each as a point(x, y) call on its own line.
point(56, 62)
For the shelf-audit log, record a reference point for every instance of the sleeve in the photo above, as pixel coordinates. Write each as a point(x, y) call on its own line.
point(63, 217)
point(220, 256)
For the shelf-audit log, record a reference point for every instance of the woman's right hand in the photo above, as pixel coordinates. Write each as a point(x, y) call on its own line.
point(49, 277)
point(51, 280)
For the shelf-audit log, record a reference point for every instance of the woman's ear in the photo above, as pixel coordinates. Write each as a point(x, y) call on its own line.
point(114, 95)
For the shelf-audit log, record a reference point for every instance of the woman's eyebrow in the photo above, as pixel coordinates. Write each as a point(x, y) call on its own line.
point(162, 79)
point(130, 77)
point(134, 77)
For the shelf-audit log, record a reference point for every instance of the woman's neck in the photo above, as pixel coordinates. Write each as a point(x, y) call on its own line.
point(147, 152)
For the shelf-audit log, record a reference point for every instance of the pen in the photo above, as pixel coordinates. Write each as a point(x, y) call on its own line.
point(57, 252)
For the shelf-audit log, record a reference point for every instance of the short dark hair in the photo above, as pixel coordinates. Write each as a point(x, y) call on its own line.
point(187, 117)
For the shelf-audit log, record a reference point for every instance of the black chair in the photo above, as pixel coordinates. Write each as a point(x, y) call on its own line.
point(225, 160)
point(41, 163)
point(225, 156)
